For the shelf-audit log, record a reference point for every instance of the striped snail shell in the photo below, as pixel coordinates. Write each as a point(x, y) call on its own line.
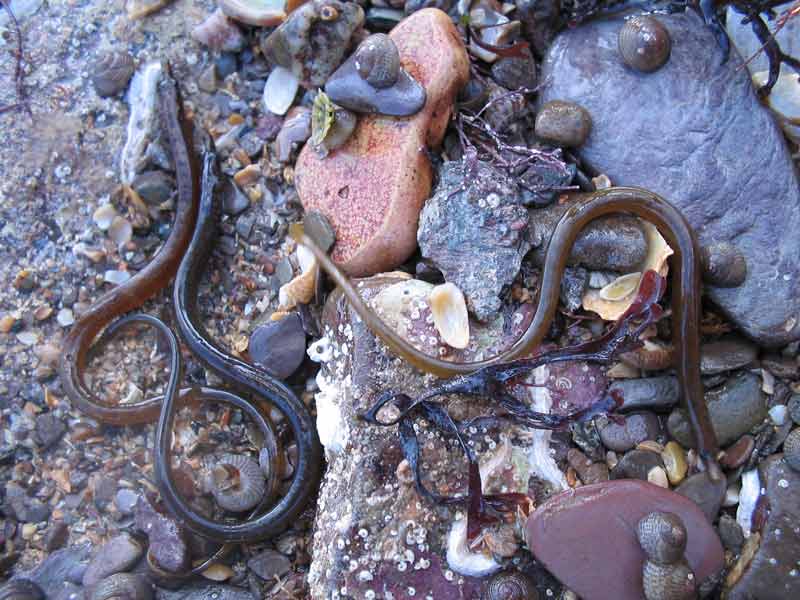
point(644, 43)
point(510, 585)
point(378, 61)
point(111, 72)
point(668, 582)
point(236, 481)
point(122, 586)
point(662, 536)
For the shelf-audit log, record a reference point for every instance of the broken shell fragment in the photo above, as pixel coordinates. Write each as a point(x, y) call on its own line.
point(331, 125)
point(264, 13)
point(300, 290)
point(279, 90)
point(450, 315)
point(621, 287)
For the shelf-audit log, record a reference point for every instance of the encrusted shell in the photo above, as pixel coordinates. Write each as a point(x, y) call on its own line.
point(236, 481)
point(644, 43)
point(21, 589)
point(449, 310)
point(510, 585)
point(723, 265)
point(668, 582)
point(378, 60)
point(112, 72)
point(122, 586)
point(662, 536)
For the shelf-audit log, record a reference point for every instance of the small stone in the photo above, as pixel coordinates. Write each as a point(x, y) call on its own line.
point(656, 393)
point(674, 462)
point(262, 13)
point(234, 201)
point(515, 72)
point(784, 367)
point(573, 286)
point(154, 187)
point(219, 33)
point(28, 531)
point(589, 472)
point(218, 572)
point(65, 317)
point(245, 225)
point(269, 564)
point(738, 454)
point(372, 188)
point(279, 346)
point(226, 64)
point(791, 450)
point(636, 427)
point(207, 81)
point(116, 277)
point(595, 526)
point(473, 229)
point(25, 280)
point(735, 408)
point(49, 429)
point(284, 272)
point(730, 532)
point(56, 535)
point(319, 229)
point(168, 548)
point(794, 408)
point(247, 175)
point(779, 414)
point(563, 123)
point(708, 495)
point(125, 500)
point(115, 556)
point(636, 464)
point(729, 353)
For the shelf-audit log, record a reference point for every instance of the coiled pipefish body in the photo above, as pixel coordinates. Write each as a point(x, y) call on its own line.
point(685, 299)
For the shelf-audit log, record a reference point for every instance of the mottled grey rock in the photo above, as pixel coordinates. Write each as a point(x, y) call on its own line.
point(167, 541)
point(726, 354)
point(319, 229)
point(735, 408)
point(636, 464)
point(201, 591)
point(269, 564)
point(730, 532)
point(279, 346)
point(49, 429)
point(680, 132)
point(773, 572)
point(234, 200)
point(573, 286)
point(66, 565)
point(616, 243)
point(115, 556)
point(563, 123)
point(707, 494)
point(26, 508)
point(474, 230)
point(155, 187)
point(635, 428)
point(589, 472)
point(657, 393)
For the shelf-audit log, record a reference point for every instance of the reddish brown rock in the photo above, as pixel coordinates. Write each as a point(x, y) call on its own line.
point(586, 537)
point(372, 188)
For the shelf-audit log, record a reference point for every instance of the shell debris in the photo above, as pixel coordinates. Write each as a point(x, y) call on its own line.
point(450, 315)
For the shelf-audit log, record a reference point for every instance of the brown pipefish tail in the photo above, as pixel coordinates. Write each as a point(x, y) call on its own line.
point(685, 299)
point(144, 285)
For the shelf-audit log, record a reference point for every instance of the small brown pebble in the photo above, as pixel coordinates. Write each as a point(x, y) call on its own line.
point(738, 453)
point(563, 123)
point(248, 175)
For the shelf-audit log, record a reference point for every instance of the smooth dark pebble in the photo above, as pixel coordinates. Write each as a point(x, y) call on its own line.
point(104, 488)
point(781, 366)
point(244, 226)
point(707, 494)
point(269, 564)
point(284, 271)
point(730, 532)
point(227, 245)
point(726, 354)
point(279, 346)
point(155, 187)
point(319, 229)
point(226, 64)
point(563, 123)
point(657, 393)
point(636, 464)
point(738, 453)
point(56, 535)
point(636, 428)
point(117, 555)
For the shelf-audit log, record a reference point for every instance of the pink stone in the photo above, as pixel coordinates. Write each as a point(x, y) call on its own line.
point(586, 537)
point(372, 188)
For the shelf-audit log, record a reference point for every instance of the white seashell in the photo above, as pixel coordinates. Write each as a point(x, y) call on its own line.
point(305, 258)
point(731, 496)
point(778, 414)
point(464, 561)
point(450, 315)
point(748, 498)
point(120, 232)
point(65, 317)
point(658, 476)
point(622, 287)
point(116, 277)
point(280, 90)
point(299, 290)
point(263, 13)
point(143, 123)
point(104, 216)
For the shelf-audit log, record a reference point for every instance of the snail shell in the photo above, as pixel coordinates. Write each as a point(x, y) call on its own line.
point(791, 450)
point(236, 481)
point(668, 582)
point(644, 43)
point(723, 265)
point(21, 589)
point(112, 72)
point(510, 585)
point(122, 586)
point(662, 536)
point(378, 61)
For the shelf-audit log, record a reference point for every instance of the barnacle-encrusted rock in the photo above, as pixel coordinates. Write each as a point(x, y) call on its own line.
point(595, 526)
point(314, 39)
point(643, 135)
point(371, 189)
point(474, 230)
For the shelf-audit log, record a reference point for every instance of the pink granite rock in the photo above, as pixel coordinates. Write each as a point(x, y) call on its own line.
point(586, 537)
point(372, 188)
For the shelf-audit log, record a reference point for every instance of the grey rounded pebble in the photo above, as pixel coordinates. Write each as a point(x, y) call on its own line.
point(794, 408)
point(234, 201)
point(269, 564)
point(726, 354)
point(730, 532)
point(791, 450)
point(563, 123)
point(707, 494)
point(636, 464)
point(514, 72)
point(155, 187)
point(125, 500)
point(284, 271)
point(657, 393)
point(49, 429)
point(115, 556)
point(112, 72)
point(319, 229)
point(637, 427)
point(723, 265)
point(279, 346)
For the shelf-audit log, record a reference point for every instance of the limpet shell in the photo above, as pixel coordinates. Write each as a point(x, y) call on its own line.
point(449, 310)
point(644, 43)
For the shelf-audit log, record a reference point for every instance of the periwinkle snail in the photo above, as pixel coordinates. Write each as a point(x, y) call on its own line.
point(791, 450)
point(122, 586)
point(723, 265)
point(378, 61)
point(644, 44)
point(665, 574)
point(236, 481)
point(21, 589)
point(112, 72)
point(510, 585)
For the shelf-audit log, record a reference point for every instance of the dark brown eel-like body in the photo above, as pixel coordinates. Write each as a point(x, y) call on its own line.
point(142, 286)
point(685, 299)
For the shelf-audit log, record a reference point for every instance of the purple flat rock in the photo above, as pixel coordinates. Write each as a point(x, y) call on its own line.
point(586, 537)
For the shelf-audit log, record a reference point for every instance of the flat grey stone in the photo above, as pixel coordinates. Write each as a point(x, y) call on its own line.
point(695, 133)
